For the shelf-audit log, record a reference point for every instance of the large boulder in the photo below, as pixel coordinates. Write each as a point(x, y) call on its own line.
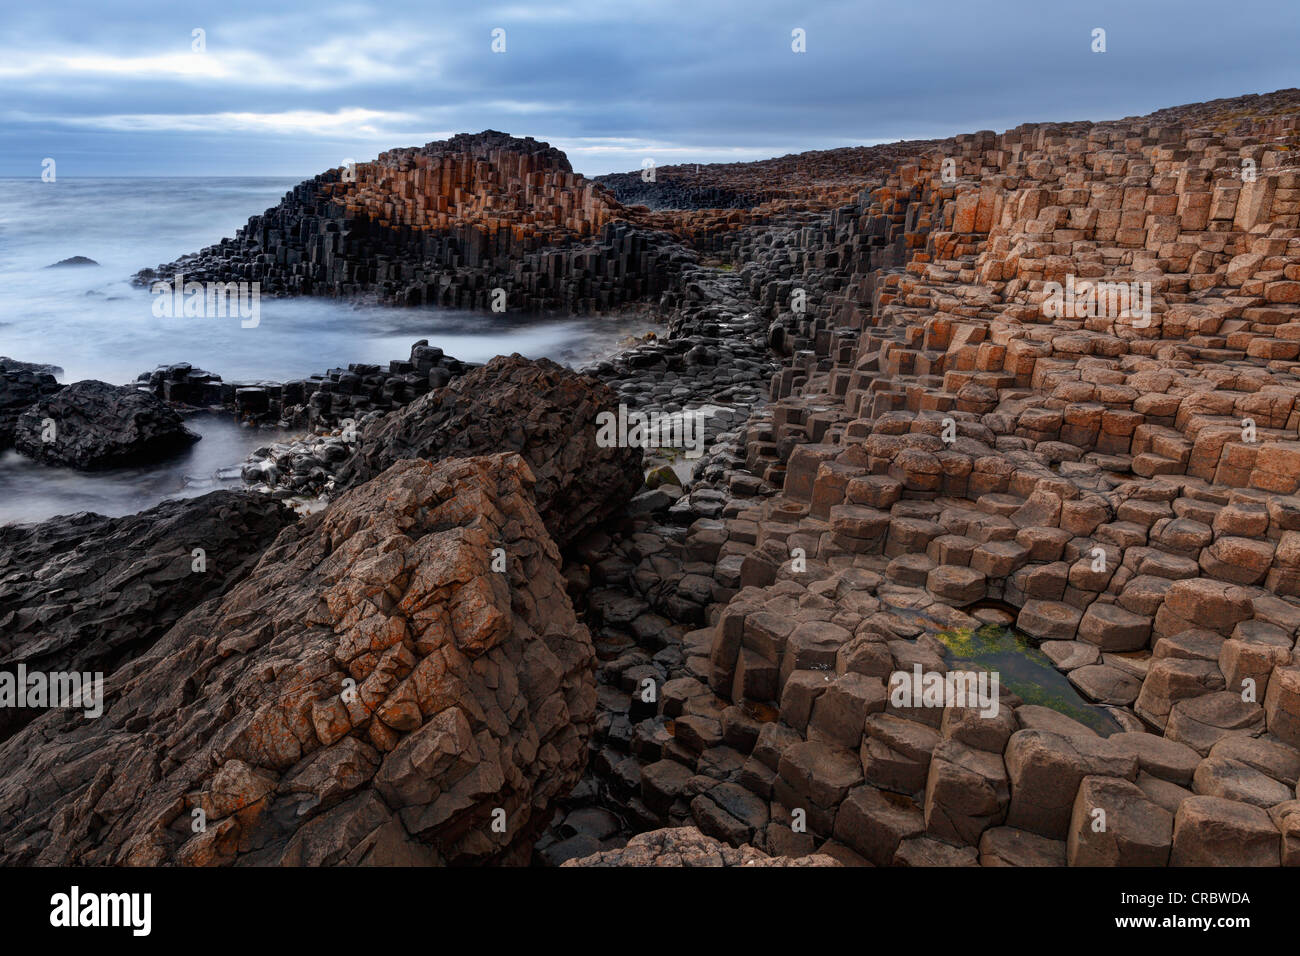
point(83, 593)
point(539, 409)
point(22, 384)
point(400, 680)
point(95, 425)
point(1046, 769)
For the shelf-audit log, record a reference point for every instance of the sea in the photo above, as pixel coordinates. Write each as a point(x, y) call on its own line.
point(94, 324)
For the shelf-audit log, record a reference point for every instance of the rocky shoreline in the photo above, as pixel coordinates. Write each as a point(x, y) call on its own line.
point(641, 659)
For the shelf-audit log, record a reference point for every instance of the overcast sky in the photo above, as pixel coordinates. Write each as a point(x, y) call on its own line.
point(288, 89)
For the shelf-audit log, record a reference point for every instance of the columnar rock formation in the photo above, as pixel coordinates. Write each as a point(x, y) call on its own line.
point(949, 430)
point(445, 224)
point(1047, 378)
point(373, 692)
point(701, 203)
point(449, 223)
point(492, 180)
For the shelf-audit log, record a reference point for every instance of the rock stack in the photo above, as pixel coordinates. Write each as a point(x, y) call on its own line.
point(445, 225)
point(22, 385)
point(450, 223)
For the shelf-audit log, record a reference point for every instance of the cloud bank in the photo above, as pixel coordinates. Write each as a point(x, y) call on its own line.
point(132, 89)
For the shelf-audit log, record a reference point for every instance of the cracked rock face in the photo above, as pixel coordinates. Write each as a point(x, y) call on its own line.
point(539, 409)
point(84, 592)
point(97, 425)
point(374, 692)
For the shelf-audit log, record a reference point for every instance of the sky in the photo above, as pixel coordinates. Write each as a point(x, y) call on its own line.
point(125, 88)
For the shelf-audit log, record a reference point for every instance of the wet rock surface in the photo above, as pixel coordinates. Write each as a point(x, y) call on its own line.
point(335, 396)
point(22, 385)
point(93, 425)
point(73, 261)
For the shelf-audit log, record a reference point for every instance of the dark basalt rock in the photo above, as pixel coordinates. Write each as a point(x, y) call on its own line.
point(22, 384)
point(72, 261)
point(97, 425)
point(85, 593)
point(539, 409)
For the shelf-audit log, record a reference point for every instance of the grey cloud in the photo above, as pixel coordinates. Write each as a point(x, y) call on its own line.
point(697, 81)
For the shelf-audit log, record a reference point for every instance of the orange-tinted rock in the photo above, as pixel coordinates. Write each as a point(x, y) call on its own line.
point(373, 692)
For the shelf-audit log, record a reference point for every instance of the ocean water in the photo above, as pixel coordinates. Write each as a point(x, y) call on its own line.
point(93, 323)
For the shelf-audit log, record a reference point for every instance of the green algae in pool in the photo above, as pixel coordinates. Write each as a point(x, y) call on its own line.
point(1024, 670)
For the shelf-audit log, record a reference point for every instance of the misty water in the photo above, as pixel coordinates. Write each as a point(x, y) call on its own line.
point(93, 323)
